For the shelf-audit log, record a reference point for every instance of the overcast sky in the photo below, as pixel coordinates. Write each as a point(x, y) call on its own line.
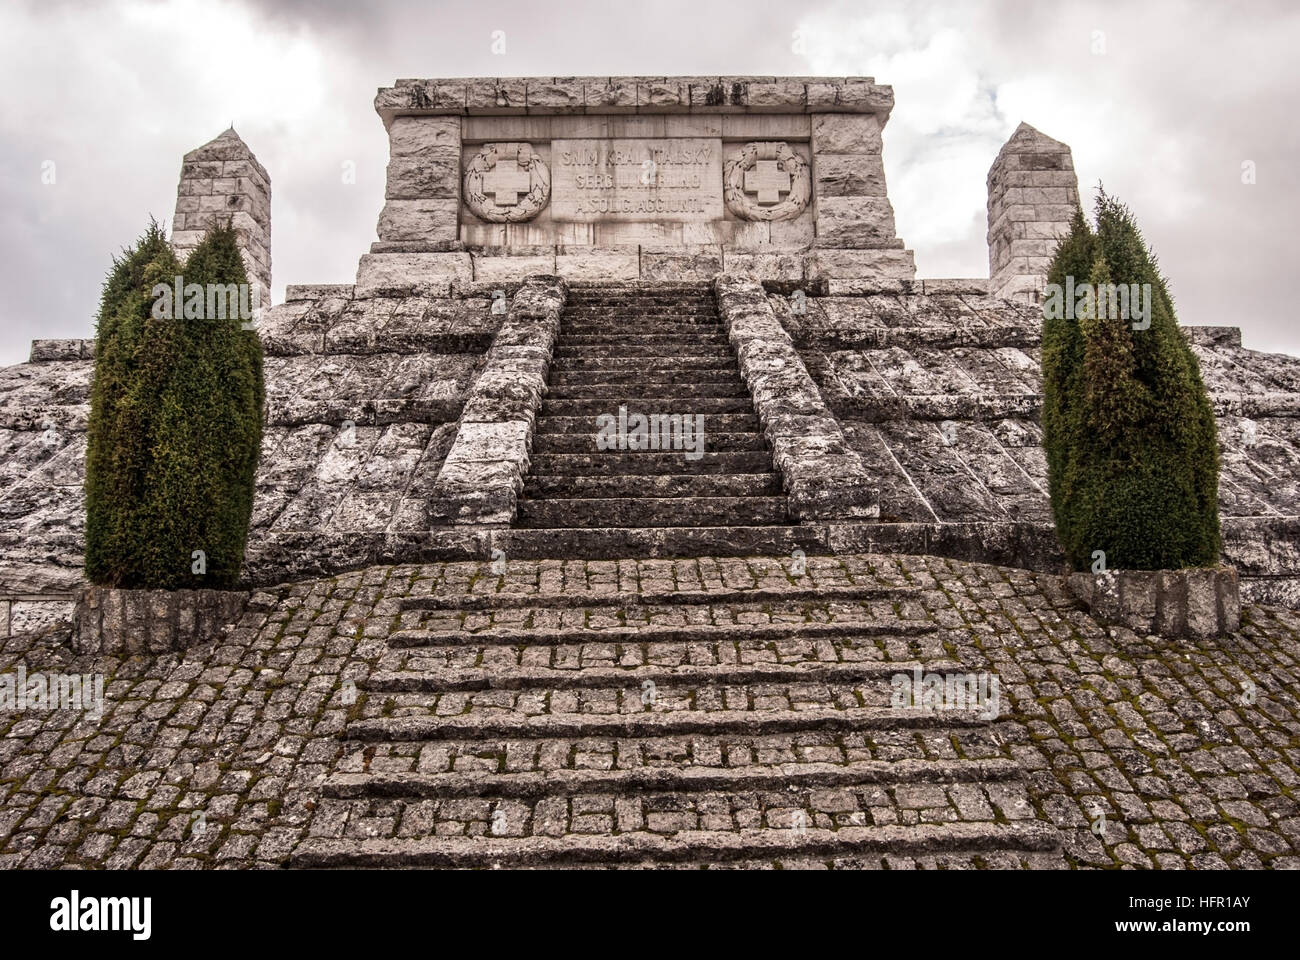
point(1163, 101)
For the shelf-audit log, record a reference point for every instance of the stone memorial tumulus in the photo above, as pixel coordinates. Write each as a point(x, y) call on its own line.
point(552, 249)
point(823, 627)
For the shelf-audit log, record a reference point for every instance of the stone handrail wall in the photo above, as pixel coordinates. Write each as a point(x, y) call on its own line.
point(823, 478)
point(484, 471)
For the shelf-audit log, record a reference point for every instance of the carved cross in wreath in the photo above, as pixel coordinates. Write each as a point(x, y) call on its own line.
point(768, 180)
point(505, 182)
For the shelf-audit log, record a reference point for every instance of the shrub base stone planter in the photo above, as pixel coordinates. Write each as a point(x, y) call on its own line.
point(115, 621)
point(1197, 603)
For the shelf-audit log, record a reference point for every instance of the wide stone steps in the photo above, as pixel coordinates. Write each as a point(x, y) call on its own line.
point(780, 596)
point(664, 405)
point(685, 363)
point(620, 463)
point(696, 849)
point(510, 725)
point(642, 325)
point(705, 336)
point(658, 351)
point(852, 691)
point(664, 377)
point(648, 543)
point(618, 349)
point(652, 512)
point(588, 442)
point(674, 777)
point(770, 633)
point(715, 424)
point(652, 389)
point(510, 675)
point(648, 485)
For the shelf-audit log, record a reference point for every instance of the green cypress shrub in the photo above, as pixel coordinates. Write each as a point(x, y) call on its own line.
point(1128, 430)
point(202, 374)
point(122, 407)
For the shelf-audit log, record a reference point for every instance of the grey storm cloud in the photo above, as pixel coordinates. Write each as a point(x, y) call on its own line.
point(1182, 94)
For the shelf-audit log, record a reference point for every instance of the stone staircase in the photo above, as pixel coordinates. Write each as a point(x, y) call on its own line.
point(686, 728)
point(652, 349)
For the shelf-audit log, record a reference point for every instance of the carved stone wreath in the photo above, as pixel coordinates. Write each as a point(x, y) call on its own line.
point(515, 159)
point(734, 183)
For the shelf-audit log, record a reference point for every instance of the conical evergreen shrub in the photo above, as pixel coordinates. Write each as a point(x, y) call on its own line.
point(1128, 430)
point(185, 521)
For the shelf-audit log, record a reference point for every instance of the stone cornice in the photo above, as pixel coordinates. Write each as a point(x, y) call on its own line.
point(538, 96)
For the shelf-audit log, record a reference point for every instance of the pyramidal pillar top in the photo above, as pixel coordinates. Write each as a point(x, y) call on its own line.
point(1033, 195)
point(222, 181)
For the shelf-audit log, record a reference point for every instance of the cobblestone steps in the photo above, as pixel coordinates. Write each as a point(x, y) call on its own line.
point(728, 735)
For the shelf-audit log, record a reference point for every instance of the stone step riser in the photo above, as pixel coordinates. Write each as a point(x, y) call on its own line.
point(518, 726)
point(692, 349)
point(503, 599)
point(656, 633)
point(715, 424)
point(668, 678)
point(636, 847)
point(687, 363)
point(711, 337)
point(642, 485)
point(793, 779)
point(656, 543)
point(630, 393)
point(611, 463)
point(649, 405)
point(650, 512)
point(663, 378)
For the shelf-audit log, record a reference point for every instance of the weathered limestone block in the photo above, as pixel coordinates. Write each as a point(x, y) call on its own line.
point(400, 274)
point(504, 266)
point(847, 265)
point(859, 222)
point(764, 266)
point(436, 138)
point(417, 177)
point(1033, 195)
point(845, 134)
point(557, 95)
point(850, 175)
point(1198, 604)
point(610, 95)
point(681, 263)
point(430, 220)
point(499, 95)
point(109, 620)
point(850, 95)
point(582, 264)
point(663, 95)
point(823, 478)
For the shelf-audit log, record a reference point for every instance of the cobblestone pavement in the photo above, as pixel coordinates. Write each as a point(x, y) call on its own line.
point(396, 711)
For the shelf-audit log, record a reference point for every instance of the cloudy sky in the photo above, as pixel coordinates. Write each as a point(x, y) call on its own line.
point(1164, 101)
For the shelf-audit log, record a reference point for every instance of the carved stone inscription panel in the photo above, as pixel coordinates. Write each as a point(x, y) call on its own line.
point(671, 180)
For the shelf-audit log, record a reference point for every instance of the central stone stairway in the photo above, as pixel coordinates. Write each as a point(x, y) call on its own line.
point(661, 726)
point(651, 349)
